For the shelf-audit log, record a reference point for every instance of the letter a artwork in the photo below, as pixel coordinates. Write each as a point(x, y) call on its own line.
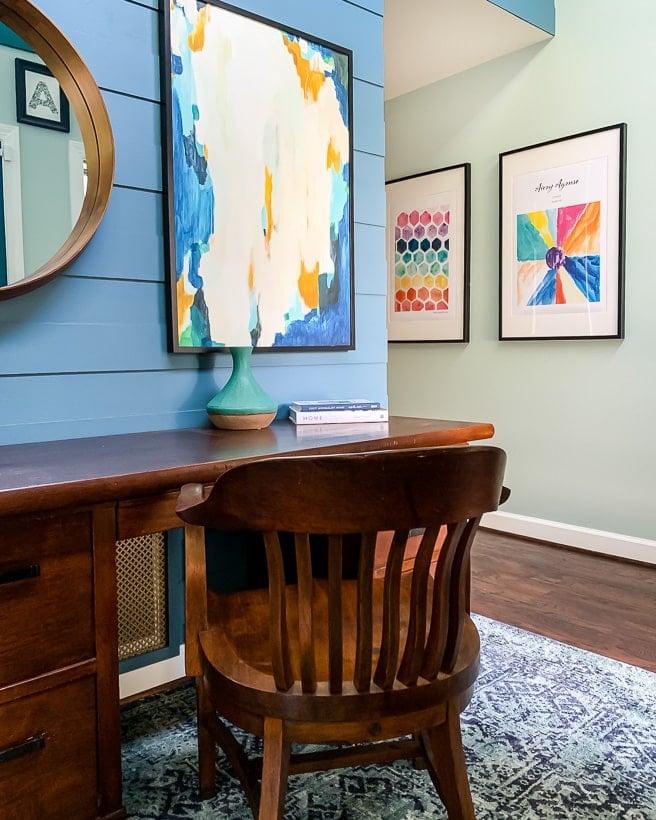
point(42, 98)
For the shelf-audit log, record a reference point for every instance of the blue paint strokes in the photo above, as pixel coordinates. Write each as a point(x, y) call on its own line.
point(585, 271)
point(340, 78)
point(176, 64)
point(193, 202)
point(546, 292)
point(331, 324)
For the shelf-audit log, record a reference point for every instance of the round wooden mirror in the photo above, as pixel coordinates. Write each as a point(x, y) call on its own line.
point(88, 108)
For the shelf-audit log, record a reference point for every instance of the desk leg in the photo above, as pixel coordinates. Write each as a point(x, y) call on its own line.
point(107, 690)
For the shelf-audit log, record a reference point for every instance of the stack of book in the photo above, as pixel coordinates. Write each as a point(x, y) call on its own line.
point(336, 411)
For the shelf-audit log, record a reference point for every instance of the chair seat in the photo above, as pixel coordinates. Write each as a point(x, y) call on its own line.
point(238, 661)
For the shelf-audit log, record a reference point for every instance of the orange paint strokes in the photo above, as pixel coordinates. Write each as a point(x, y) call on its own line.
point(185, 301)
point(311, 79)
point(268, 193)
point(197, 37)
point(308, 285)
point(333, 157)
point(251, 275)
point(560, 293)
point(583, 239)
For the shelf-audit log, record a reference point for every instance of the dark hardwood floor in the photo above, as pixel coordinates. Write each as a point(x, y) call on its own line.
point(598, 603)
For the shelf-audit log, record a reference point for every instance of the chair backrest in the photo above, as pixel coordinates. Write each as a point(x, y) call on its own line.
point(350, 499)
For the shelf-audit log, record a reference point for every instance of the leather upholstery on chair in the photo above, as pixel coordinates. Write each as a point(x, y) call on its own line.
point(386, 663)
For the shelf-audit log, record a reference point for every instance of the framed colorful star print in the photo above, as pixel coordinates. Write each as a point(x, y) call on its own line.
point(428, 256)
point(561, 237)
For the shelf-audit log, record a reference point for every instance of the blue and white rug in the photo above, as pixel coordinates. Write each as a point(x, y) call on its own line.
point(552, 732)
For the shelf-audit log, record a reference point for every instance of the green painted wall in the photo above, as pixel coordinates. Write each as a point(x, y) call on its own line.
point(45, 176)
point(576, 417)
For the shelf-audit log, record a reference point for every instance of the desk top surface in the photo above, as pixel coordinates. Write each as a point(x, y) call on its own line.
point(46, 475)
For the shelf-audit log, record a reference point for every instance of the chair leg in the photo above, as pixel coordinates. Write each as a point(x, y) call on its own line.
point(275, 769)
point(445, 758)
point(206, 744)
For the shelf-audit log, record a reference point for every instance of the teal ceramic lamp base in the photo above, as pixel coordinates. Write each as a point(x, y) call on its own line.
point(241, 404)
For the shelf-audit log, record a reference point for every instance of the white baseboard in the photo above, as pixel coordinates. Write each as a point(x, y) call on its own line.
point(151, 676)
point(606, 543)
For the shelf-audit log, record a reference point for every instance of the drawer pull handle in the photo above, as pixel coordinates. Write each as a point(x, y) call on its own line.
point(20, 574)
point(32, 744)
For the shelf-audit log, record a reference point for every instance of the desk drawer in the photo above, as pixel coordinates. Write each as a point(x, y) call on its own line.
point(48, 759)
point(46, 594)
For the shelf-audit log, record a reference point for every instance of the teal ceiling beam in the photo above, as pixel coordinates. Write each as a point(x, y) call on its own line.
point(539, 13)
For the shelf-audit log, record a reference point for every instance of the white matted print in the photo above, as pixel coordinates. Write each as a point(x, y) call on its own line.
point(561, 235)
point(428, 256)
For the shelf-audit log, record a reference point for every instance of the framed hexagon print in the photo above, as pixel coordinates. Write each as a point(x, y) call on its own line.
point(428, 230)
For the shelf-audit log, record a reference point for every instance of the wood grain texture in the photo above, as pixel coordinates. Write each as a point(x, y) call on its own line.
point(55, 781)
point(33, 612)
point(594, 602)
point(106, 634)
point(53, 474)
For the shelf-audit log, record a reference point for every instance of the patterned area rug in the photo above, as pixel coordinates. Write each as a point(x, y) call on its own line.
point(552, 732)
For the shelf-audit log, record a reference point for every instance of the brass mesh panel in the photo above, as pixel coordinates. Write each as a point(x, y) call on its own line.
point(142, 595)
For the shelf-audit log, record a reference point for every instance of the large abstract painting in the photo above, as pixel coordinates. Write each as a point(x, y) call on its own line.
point(259, 159)
point(562, 238)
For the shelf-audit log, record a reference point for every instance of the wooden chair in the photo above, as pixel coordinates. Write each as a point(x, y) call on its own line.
point(385, 663)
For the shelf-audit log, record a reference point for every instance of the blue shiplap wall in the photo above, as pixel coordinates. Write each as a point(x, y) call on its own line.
point(86, 354)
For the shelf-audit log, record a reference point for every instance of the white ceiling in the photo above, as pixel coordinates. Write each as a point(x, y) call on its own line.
point(427, 40)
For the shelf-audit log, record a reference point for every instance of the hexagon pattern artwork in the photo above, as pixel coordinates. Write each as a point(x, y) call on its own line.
point(421, 260)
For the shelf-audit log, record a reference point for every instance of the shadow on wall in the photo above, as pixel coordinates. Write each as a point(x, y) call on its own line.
point(471, 99)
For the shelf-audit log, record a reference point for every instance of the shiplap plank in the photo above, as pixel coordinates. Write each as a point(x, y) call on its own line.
point(38, 408)
point(137, 137)
point(370, 261)
point(369, 185)
point(368, 113)
point(119, 41)
point(377, 6)
point(68, 300)
point(133, 225)
point(92, 346)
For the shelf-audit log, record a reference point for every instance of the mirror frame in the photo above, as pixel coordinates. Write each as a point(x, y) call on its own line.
point(88, 105)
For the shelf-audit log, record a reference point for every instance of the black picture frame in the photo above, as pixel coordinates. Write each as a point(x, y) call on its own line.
point(428, 255)
point(40, 100)
point(562, 237)
point(197, 150)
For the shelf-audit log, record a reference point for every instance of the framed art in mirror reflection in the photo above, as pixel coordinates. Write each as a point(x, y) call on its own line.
point(39, 98)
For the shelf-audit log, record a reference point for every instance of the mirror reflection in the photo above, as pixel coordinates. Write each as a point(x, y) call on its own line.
point(42, 161)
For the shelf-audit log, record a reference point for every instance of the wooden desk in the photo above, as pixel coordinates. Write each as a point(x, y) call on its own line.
point(63, 506)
